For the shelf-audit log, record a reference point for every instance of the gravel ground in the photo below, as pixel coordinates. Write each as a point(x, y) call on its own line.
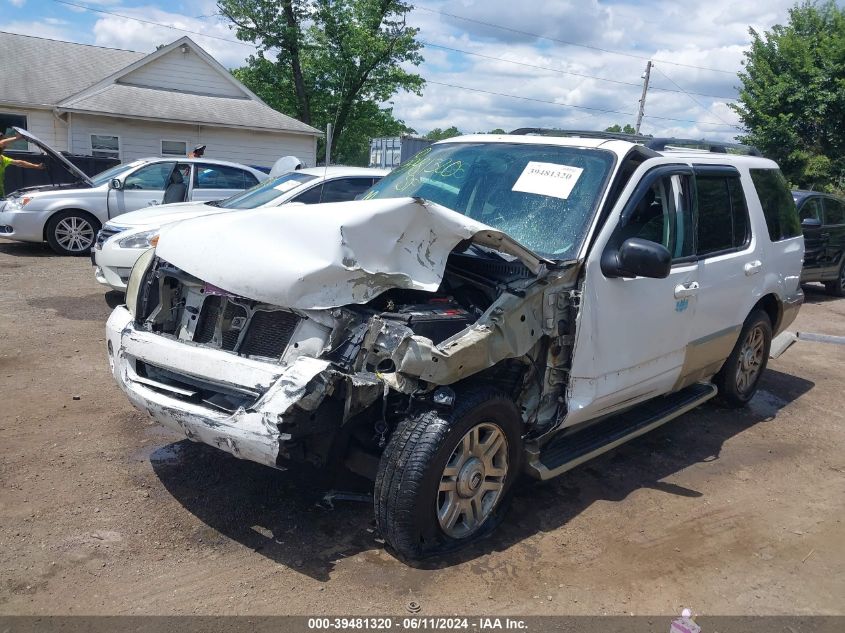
point(102, 512)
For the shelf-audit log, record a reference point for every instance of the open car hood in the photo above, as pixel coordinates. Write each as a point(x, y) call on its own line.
point(329, 255)
point(64, 162)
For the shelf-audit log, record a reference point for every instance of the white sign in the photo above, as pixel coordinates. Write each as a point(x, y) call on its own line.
point(287, 185)
point(548, 179)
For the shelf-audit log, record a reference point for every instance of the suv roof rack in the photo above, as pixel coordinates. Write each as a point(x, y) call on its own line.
point(658, 144)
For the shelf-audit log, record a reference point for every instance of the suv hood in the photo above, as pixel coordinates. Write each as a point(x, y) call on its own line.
point(163, 214)
point(64, 162)
point(333, 255)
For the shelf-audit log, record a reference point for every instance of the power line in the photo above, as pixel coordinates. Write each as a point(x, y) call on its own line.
point(567, 42)
point(570, 105)
point(569, 72)
point(439, 83)
point(696, 101)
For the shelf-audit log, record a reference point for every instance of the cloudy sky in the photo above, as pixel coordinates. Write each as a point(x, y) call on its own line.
point(496, 63)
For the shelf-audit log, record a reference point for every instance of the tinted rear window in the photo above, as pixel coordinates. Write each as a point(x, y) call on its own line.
point(777, 202)
point(722, 215)
point(834, 212)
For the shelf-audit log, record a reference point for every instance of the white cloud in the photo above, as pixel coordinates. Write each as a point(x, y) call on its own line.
point(676, 35)
point(39, 28)
point(17, 3)
point(684, 40)
point(132, 34)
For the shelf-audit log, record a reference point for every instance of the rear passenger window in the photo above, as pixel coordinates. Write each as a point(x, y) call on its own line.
point(834, 212)
point(249, 179)
point(220, 177)
point(312, 196)
point(345, 189)
point(777, 202)
point(722, 214)
point(811, 209)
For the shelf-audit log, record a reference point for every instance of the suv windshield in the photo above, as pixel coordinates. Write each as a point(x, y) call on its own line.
point(104, 176)
point(543, 196)
point(266, 191)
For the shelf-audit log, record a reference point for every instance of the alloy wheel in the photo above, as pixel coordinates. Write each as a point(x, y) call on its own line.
point(750, 359)
point(74, 234)
point(473, 480)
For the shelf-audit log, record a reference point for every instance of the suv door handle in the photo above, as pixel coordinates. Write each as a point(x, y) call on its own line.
point(752, 268)
point(686, 290)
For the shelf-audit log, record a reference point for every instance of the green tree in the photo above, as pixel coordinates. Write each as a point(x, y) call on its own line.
point(438, 135)
point(330, 61)
point(627, 129)
point(498, 130)
point(792, 98)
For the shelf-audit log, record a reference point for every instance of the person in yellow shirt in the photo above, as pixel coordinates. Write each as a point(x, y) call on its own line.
point(5, 161)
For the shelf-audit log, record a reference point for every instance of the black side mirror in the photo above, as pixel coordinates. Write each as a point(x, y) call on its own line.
point(637, 258)
point(811, 223)
point(116, 183)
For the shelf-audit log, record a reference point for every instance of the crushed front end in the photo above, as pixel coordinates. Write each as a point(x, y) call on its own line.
point(277, 385)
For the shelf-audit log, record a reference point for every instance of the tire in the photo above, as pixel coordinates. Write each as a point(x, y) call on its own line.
point(410, 507)
point(836, 288)
point(738, 379)
point(72, 232)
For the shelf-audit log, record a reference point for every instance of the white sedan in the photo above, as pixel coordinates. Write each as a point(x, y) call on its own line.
point(122, 241)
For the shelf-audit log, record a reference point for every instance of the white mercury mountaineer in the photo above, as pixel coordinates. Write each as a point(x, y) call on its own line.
point(496, 305)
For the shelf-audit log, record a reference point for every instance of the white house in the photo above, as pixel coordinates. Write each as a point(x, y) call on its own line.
point(106, 102)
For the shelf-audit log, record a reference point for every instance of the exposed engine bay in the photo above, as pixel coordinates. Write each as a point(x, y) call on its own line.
point(490, 320)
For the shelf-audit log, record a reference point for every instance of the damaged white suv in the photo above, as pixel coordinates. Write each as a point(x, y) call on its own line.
point(497, 305)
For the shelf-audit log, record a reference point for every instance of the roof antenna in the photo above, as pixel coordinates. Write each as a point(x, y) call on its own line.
point(329, 131)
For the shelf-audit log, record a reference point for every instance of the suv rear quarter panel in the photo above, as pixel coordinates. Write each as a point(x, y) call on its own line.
point(782, 260)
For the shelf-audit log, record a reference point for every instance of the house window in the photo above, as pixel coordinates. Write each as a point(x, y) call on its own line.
point(174, 148)
point(105, 146)
point(6, 123)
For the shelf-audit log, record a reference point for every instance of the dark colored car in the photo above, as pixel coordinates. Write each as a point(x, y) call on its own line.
point(823, 223)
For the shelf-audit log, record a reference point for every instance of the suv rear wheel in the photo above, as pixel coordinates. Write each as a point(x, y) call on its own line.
point(72, 232)
point(444, 479)
point(837, 286)
point(738, 379)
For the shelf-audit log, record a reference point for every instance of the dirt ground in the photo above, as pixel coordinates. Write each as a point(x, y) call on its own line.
point(102, 512)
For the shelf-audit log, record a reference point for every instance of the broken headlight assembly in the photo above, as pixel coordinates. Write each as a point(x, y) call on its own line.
point(139, 270)
point(144, 239)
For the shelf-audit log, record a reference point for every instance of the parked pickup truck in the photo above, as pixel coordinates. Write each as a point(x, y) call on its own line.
point(497, 305)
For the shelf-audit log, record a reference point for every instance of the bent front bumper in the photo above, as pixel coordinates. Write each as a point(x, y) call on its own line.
point(251, 432)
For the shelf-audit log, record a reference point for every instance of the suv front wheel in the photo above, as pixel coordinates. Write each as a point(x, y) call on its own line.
point(738, 379)
point(72, 232)
point(444, 479)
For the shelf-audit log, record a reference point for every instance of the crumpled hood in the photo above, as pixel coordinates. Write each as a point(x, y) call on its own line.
point(328, 255)
point(163, 214)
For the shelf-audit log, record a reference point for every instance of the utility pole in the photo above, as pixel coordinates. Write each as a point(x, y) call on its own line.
point(646, 77)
